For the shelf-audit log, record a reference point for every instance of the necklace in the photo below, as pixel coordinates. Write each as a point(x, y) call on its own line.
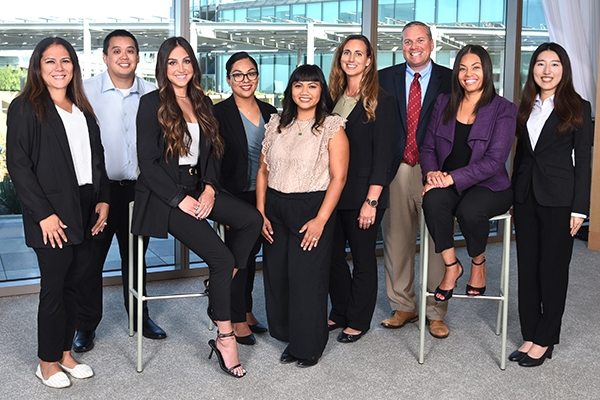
point(347, 98)
point(181, 97)
point(303, 125)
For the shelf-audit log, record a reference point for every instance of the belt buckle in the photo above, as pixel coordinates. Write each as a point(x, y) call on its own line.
point(193, 171)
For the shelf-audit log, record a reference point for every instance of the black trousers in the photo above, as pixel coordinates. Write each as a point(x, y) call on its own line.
point(89, 298)
point(544, 249)
point(353, 294)
point(243, 282)
point(473, 209)
point(61, 271)
point(296, 281)
point(200, 237)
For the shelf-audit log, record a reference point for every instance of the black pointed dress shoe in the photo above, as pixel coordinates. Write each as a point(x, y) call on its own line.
point(247, 340)
point(152, 331)
point(286, 357)
point(307, 362)
point(84, 341)
point(258, 328)
point(527, 361)
point(516, 355)
point(348, 338)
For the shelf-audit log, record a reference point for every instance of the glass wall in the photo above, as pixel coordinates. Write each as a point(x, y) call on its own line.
point(280, 34)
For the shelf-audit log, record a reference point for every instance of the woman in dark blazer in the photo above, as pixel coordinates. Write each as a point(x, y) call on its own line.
point(178, 147)
point(369, 111)
point(463, 163)
point(552, 196)
point(242, 121)
point(56, 162)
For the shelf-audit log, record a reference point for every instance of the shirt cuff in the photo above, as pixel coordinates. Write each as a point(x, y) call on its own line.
point(578, 215)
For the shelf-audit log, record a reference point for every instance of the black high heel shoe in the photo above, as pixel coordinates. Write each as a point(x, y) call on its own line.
point(516, 355)
point(527, 361)
point(206, 286)
point(213, 349)
point(476, 291)
point(447, 294)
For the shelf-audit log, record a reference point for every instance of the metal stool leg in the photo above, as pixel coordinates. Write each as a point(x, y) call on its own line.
point(424, 264)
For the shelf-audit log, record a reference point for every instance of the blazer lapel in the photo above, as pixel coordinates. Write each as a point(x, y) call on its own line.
point(432, 89)
point(237, 125)
point(400, 86)
point(548, 132)
point(61, 135)
point(356, 113)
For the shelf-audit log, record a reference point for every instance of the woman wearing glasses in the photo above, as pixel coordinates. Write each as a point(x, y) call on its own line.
point(242, 126)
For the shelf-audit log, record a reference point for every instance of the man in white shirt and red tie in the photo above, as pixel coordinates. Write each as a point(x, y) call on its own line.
point(416, 85)
point(115, 96)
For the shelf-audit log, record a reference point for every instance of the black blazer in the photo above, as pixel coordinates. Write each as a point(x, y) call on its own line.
point(234, 164)
point(371, 154)
point(158, 190)
point(393, 80)
point(41, 167)
point(548, 170)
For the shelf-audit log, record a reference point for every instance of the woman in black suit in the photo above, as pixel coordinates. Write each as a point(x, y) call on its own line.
point(552, 196)
point(178, 147)
point(369, 111)
point(56, 162)
point(242, 121)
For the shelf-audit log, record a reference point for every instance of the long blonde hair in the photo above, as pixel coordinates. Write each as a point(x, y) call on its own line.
point(369, 84)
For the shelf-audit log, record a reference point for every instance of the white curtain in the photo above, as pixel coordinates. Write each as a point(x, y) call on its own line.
point(575, 25)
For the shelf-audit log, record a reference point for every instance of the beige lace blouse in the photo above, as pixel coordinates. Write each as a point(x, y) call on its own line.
point(298, 159)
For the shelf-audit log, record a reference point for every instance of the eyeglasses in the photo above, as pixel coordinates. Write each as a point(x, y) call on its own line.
point(237, 77)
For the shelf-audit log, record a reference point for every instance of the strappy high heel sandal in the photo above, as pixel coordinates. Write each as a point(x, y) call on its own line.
point(213, 349)
point(445, 295)
point(475, 291)
point(206, 282)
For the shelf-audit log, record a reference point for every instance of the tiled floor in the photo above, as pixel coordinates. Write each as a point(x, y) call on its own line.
point(17, 261)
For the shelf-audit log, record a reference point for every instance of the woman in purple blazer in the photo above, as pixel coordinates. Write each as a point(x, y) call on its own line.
point(463, 161)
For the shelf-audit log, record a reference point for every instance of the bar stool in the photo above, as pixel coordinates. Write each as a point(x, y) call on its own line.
point(502, 298)
point(136, 290)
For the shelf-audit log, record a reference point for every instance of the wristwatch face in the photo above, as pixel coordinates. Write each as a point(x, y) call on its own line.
point(372, 203)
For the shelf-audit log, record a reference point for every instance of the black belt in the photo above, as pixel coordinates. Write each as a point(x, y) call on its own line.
point(188, 170)
point(124, 182)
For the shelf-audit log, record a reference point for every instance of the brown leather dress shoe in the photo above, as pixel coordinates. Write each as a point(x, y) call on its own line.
point(399, 319)
point(438, 329)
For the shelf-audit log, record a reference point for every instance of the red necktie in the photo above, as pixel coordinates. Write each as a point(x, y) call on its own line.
point(411, 151)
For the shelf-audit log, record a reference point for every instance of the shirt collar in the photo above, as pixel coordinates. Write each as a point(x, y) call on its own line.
point(424, 72)
point(549, 101)
point(107, 83)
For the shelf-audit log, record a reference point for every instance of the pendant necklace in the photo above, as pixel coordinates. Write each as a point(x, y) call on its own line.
point(304, 125)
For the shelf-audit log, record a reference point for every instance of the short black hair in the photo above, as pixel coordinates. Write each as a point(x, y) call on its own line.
point(119, 33)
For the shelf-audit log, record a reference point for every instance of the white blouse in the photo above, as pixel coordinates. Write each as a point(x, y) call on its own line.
point(78, 137)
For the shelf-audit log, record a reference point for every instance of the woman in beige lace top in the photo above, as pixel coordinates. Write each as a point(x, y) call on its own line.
point(302, 172)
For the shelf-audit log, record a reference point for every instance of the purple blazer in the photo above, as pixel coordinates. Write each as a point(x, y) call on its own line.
point(491, 140)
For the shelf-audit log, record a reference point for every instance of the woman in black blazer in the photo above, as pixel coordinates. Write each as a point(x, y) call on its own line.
point(56, 162)
point(178, 147)
point(369, 111)
point(242, 121)
point(551, 182)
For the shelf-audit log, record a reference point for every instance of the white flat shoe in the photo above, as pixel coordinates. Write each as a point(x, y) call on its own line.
point(59, 380)
point(81, 371)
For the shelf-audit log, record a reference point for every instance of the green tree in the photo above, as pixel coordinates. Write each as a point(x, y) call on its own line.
point(10, 78)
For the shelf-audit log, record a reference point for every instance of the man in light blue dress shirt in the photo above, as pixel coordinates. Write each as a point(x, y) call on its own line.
point(115, 96)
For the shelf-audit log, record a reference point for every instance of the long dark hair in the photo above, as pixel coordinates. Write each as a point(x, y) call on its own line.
point(489, 92)
point(369, 84)
point(567, 103)
point(35, 90)
point(171, 117)
point(306, 73)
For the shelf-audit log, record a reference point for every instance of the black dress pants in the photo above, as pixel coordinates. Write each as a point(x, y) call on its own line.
point(61, 271)
point(221, 258)
point(473, 209)
point(89, 297)
point(544, 249)
point(243, 282)
point(353, 294)
point(297, 281)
